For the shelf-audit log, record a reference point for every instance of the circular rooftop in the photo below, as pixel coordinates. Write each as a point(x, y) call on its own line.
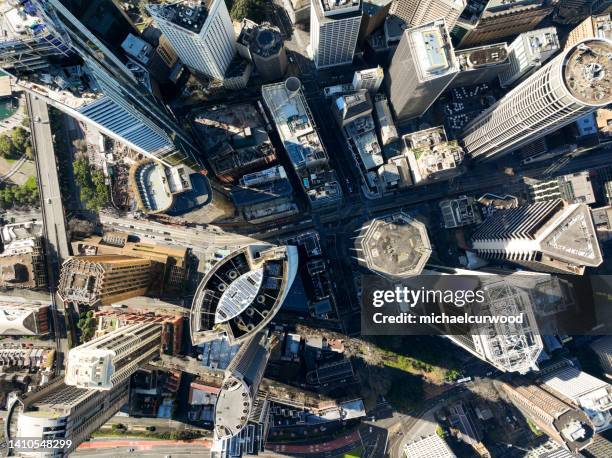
point(396, 246)
point(587, 71)
point(233, 408)
point(265, 38)
point(293, 84)
point(150, 185)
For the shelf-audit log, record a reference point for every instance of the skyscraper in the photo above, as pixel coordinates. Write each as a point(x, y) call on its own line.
point(334, 27)
point(104, 279)
point(109, 360)
point(550, 236)
point(200, 32)
point(574, 83)
point(241, 294)
point(96, 86)
point(60, 411)
point(422, 67)
point(481, 64)
point(238, 401)
point(419, 12)
point(529, 52)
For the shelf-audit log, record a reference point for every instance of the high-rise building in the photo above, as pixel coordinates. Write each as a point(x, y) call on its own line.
point(601, 6)
point(200, 32)
point(59, 411)
point(109, 360)
point(238, 401)
point(422, 67)
point(549, 236)
point(334, 27)
point(263, 45)
point(502, 18)
point(592, 27)
point(23, 319)
point(104, 279)
point(528, 53)
point(420, 12)
point(295, 125)
point(602, 347)
point(381, 246)
point(481, 64)
point(95, 85)
point(369, 79)
point(27, 42)
point(374, 15)
point(574, 83)
point(241, 294)
point(572, 11)
point(563, 423)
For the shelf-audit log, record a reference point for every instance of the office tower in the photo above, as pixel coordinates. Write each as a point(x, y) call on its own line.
point(169, 263)
point(592, 395)
point(27, 42)
point(503, 18)
point(111, 359)
point(23, 319)
point(420, 12)
point(263, 45)
point(374, 15)
point(103, 279)
point(602, 347)
point(369, 79)
point(241, 294)
point(528, 53)
point(422, 67)
point(296, 128)
point(549, 236)
point(60, 411)
point(592, 27)
point(334, 26)
point(238, 400)
point(95, 85)
point(563, 423)
point(573, 84)
point(393, 246)
point(479, 65)
point(200, 32)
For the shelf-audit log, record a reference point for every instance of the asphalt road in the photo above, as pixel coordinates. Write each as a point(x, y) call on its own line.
point(54, 229)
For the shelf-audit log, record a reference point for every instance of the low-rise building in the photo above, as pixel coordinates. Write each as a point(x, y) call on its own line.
point(574, 188)
point(603, 349)
point(23, 319)
point(432, 446)
point(22, 263)
point(431, 156)
point(386, 127)
point(461, 211)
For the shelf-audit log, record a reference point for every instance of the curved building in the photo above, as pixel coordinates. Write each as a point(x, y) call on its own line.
point(240, 294)
point(574, 83)
point(238, 403)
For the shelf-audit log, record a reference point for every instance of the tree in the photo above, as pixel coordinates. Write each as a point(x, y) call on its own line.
point(251, 9)
point(94, 192)
point(7, 149)
point(21, 138)
point(29, 152)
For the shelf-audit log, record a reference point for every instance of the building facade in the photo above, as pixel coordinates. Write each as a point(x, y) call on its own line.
point(422, 67)
point(528, 53)
point(110, 360)
point(571, 85)
point(200, 32)
point(104, 279)
point(334, 28)
point(369, 79)
point(420, 12)
point(599, 26)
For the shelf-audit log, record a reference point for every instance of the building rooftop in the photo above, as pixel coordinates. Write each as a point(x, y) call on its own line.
point(482, 56)
point(337, 7)
point(22, 319)
point(396, 246)
point(299, 135)
point(264, 40)
point(588, 72)
point(188, 14)
point(138, 49)
point(428, 447)
point(435, 56)
point(242, 292)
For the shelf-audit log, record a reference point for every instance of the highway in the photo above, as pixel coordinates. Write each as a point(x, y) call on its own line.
point(54, 228)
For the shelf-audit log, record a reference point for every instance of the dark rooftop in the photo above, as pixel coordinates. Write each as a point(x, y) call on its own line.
point(189, 15)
